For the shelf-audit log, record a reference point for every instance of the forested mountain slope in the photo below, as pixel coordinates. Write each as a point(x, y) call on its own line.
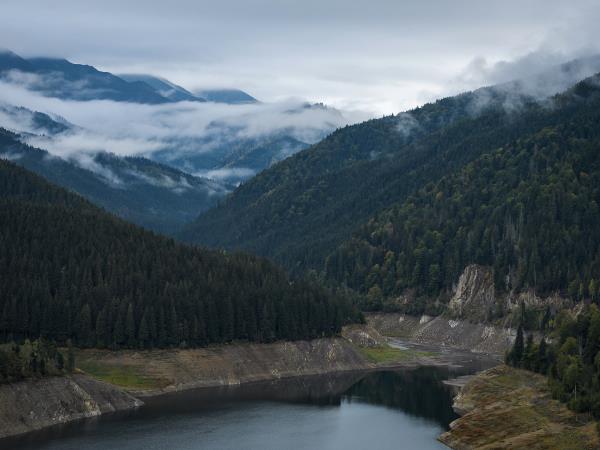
point(300, 210)
point(60, 78)
point(70, 270)
point(147, 193)
point(529, 208)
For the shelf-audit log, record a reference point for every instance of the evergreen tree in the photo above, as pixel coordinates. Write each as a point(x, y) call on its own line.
point(515, 356)
point(130, 327)
point(98, 281)
point(144, 333)
point(70, 357)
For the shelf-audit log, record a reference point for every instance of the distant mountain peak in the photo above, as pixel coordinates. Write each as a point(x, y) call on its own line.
point(163, 87)
point(229, 96)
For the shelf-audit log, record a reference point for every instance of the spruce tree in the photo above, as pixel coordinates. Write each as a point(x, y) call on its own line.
point(516, 355)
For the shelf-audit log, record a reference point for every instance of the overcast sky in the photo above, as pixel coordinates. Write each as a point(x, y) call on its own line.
point(371, 55)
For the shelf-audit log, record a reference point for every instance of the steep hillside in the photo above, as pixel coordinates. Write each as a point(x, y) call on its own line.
point(300, 210)
point(164, 87)
point(229, 96)
point(149, 194)
point(72, 271)
point(529, 209)
point(64, 79)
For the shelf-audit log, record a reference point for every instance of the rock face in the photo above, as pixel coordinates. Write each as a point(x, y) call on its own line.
point(474, 298)
point(444, 331)
point(34, 404)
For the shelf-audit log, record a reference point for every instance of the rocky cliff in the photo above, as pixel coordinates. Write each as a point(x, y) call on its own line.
point(31, 405)
point(444, 331)
point(475, 299)
point(478, 318)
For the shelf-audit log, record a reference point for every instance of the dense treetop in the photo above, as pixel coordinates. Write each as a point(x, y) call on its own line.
point(71, 271)
point(303, 209)
point(528, 208)
point(571, 359)
point(141, 191)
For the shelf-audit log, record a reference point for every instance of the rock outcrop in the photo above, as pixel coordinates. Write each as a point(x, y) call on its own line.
point(474, 298)
point(34, 404)
point(444, 331)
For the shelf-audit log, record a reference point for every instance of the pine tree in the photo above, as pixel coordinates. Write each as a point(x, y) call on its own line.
point(542, 357)
point(70, 357)
point(515, 356)
point(84, 334)
point(102, 337)
point(130, 327)
point(144, 333)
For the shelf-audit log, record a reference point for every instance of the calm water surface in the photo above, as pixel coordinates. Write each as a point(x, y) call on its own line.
point(385, 410)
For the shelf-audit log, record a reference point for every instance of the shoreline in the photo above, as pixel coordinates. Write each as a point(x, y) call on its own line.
point(454, 358)
point(83, 395)
point(516, 409)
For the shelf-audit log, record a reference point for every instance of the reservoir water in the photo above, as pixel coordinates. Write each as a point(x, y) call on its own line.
point(404, 409)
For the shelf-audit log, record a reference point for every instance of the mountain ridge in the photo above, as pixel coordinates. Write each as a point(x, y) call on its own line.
point(301, 209)
point(140, 190)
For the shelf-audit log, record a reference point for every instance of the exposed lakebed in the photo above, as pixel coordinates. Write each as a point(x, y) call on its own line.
point(396, 409)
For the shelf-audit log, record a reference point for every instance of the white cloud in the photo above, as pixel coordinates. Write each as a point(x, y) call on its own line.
point(382, 56)
point(137, 129)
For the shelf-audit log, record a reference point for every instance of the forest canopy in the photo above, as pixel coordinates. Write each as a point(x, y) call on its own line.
point(72, 271)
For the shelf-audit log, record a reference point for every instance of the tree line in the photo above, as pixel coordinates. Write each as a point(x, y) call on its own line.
point(529, 209)
point(571, 360)
point(35, 359)
point(70, 271)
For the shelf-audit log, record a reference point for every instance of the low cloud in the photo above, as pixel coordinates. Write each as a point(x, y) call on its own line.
point(407, 124)
point(184, 127)
point(540, 74)
point(227, 174)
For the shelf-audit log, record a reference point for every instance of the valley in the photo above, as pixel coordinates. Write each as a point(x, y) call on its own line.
point(109, 382)
point(310, 226)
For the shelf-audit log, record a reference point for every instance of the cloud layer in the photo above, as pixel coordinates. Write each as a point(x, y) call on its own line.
point(177, 129)
point(377, 55)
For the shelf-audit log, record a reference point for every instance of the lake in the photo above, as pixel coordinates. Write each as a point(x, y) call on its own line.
point(404, 409)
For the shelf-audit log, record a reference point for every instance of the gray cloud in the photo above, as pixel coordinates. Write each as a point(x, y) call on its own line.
point(377, 55)
point(184, 127)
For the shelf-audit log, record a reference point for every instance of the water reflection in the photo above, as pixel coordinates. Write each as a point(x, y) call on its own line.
point(418, 392)
point(394, 409)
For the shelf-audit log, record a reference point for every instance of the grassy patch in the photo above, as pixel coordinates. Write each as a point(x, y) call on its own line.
point(387, 354)
point(129, 377)
point(515, 410)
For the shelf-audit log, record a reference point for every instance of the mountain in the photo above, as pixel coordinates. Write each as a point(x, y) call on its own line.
point(164, 87)
point(55, 77)
point(229, 159)
point(229, 96)
point(12, 61)
point(72, 271)
point(528, 208)
point(28, 121)
point(232, 152)
point(63, 79)
point(264, 153)
point(231, 144)
point(176, 93)
point(147, 193)
point(302, 209)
